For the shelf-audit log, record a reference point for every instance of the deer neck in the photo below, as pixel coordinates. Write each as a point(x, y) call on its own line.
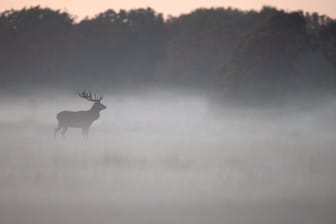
point(94, 109)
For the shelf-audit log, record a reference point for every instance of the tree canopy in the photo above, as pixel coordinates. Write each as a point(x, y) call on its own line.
point(253, 52)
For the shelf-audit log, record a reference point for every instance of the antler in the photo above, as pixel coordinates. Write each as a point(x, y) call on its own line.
point(88, 96)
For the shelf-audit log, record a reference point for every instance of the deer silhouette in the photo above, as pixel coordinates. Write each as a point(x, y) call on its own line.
point(80, 119)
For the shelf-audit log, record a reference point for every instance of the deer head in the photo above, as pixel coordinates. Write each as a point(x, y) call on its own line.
point(97, 105)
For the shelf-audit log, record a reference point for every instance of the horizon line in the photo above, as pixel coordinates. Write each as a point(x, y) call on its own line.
point(165, 15)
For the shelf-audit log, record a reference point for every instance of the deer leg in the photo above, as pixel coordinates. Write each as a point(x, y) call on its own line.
point(85, 132)
point(57, 129)
point(64, 129)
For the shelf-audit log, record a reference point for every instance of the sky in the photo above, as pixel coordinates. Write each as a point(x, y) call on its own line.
point(90, 8)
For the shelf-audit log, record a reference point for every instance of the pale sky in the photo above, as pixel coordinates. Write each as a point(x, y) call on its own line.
point(82, 8)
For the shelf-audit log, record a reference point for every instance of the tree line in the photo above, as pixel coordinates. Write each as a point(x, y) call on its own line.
point(241, 52)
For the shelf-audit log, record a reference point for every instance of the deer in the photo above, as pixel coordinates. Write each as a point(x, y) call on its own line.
point(80, 119)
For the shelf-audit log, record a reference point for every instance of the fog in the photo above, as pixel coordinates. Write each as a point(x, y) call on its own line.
point(167, 156)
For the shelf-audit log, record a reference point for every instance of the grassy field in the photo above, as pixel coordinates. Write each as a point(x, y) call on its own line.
point(187, 165)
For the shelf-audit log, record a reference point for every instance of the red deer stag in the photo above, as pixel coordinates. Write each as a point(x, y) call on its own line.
point(80, 119)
